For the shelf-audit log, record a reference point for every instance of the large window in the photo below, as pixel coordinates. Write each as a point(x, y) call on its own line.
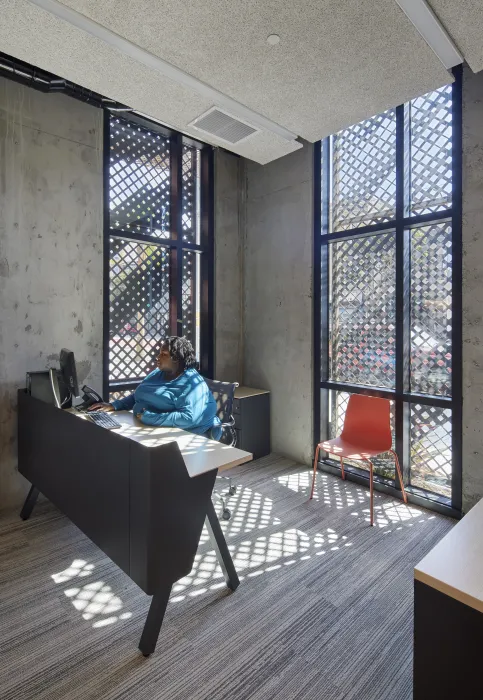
point(158, 248)
point(389, 252)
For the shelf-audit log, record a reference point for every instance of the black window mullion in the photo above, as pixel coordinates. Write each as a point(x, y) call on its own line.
point(324, 223)
point(131, 236)
point(207, 335)
point(318, 296)
point(457, 282)
point(106, 254)
point(175, 258)
point(402, 293)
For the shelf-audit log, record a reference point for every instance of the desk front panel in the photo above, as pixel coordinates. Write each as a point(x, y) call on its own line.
point(448, 641)
point(82, 468)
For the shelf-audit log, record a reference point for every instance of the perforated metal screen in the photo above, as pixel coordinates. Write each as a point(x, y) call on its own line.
point(139, 180)
point(387, 287)
point(139, 307)
point(431, 313)
point(156, 243)
point(431, 169)
point(362, 321)
point(364, 173)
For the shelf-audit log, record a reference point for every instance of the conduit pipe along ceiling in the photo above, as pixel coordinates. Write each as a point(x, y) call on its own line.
point(289, 69)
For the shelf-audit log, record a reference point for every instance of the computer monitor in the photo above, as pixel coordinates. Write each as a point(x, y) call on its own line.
point(69, 372)
point(44, 386)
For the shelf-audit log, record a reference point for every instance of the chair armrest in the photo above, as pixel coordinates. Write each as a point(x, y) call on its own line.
point(229, 424)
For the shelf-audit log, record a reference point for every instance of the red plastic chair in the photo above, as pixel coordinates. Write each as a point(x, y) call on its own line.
point(366, 433)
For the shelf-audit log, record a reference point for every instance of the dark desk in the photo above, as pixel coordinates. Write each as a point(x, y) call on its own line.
point(448, 614)
point(141, 494)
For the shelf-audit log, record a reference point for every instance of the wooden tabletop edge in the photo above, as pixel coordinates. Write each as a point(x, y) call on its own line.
point(447, 589)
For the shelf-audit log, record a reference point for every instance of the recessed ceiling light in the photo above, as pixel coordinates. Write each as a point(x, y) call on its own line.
point(273, 39)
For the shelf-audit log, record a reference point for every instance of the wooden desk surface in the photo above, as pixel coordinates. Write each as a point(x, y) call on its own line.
point(199, 453)
point(455, 565)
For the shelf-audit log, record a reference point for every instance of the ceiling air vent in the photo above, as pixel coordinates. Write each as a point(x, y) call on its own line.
point(222, 125)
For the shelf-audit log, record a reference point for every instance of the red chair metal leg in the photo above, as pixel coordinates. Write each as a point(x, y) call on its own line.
point(316, 459)
point(398, 468)
point(342, 467)
point(371, 488)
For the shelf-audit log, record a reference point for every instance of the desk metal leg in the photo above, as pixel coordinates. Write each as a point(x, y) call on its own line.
point(30, 501)
point(154, 620)
point(222, 552)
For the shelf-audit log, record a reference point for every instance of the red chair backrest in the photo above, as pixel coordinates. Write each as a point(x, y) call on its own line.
point(367, 423)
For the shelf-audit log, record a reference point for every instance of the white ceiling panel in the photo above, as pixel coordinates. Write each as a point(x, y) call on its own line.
point(463, 20)
point(338, 61)
point(35, 36)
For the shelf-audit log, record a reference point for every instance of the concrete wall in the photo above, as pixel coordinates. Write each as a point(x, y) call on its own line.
point(229, 231)
point(278, 325)
point(472, 288)
point(50, 249)
point(51, 268)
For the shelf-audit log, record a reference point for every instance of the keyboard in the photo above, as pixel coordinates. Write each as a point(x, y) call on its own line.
point(103, 419)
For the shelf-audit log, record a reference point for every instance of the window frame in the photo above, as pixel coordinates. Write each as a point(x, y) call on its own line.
point(401, 394)
point(175, 244)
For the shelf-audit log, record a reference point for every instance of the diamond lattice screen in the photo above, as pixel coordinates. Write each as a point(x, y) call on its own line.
point(139, 180)
point(431, 449)
point(384, 463)
point(431, 309)
point(190, 194)
point(431, 151)
point(362, 313)
point(190, 298)
point(364, 173)
point(139, 307)
point(114, 395)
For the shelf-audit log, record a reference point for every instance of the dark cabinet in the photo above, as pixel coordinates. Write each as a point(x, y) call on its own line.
point(251, 410)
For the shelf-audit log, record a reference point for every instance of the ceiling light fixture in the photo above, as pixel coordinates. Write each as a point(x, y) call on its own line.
point(166, 69)
point(273, 39)
point(432, 31)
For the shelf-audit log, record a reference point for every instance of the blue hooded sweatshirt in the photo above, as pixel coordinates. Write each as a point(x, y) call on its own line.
point(184, 402)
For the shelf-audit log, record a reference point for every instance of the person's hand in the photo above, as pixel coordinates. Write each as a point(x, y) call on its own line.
point(103, 407)
point(138, 409)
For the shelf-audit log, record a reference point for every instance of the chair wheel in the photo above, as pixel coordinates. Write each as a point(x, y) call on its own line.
point(232, 490)
point(226, 515)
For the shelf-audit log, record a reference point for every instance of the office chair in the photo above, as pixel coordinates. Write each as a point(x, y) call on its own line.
point(224, 393)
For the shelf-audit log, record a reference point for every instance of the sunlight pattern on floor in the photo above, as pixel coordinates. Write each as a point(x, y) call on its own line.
point(397, 514)
point(249, 511)
point(255, 557)
point(332, 494)
point(95, 600)
point(252, 512)
point(340, 494)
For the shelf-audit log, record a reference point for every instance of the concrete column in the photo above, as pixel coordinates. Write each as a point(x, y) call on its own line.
point(278, 272)
point(472, 288)
point(229, 231)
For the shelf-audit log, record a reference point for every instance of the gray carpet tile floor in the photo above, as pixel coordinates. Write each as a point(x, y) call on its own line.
point(324, 609)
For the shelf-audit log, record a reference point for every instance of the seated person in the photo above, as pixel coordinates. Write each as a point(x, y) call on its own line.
point(175, 395)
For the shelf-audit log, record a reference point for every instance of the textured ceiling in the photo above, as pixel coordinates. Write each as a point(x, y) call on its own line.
point(463, 20)
point(37, 37)
point(338, 61)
